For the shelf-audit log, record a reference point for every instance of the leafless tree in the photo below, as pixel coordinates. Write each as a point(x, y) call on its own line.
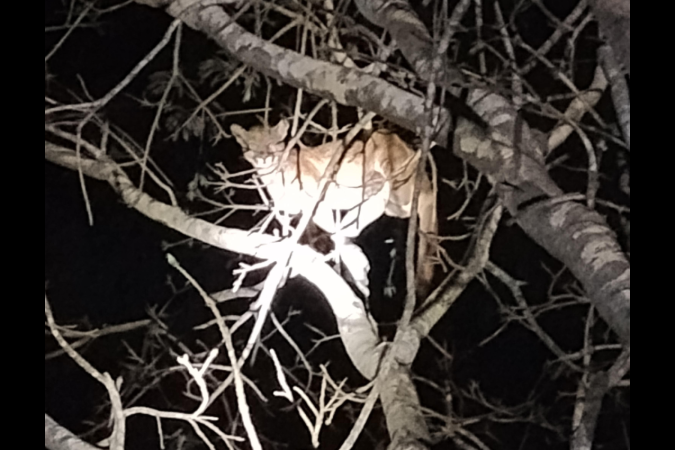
point(532, 100)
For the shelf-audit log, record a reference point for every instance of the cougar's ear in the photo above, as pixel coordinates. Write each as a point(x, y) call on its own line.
point(240, 135)
point(282, 129)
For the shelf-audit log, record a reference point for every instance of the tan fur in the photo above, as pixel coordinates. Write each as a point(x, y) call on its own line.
point(376, 177)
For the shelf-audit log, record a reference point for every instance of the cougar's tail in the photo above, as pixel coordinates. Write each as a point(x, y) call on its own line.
point(428, 217)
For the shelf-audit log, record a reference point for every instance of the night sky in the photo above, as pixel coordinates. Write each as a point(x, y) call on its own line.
point(112, 272)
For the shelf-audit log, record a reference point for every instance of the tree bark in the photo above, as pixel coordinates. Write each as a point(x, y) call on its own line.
point(614, 19)
point(58, 438)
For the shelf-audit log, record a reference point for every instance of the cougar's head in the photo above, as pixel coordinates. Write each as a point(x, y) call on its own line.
point(262, 146)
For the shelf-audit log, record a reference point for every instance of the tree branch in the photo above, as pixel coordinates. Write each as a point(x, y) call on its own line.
point(350, 87)
point(59, 438)
point(614, 19)
point(513, 157)
point(356, 330)
point(598, 387)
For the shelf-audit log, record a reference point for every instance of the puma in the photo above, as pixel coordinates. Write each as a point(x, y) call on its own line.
point(376, 177)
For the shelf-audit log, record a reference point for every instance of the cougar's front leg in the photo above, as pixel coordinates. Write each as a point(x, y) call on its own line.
point(355, 261)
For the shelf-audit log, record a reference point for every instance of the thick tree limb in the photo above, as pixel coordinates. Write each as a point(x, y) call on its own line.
point(356, 330)
point(350, 87)
point(513, 158)
point(614, 19)
point(599, 386)
point(513, 154)
point(58, 438)
point(620, 91)
point(412, 38)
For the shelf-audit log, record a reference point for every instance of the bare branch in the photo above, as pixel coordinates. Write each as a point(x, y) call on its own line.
point(591, 402)
point(346, 86)
point(356, 330)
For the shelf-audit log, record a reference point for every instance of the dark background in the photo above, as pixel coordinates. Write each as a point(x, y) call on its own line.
point(111, 272)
